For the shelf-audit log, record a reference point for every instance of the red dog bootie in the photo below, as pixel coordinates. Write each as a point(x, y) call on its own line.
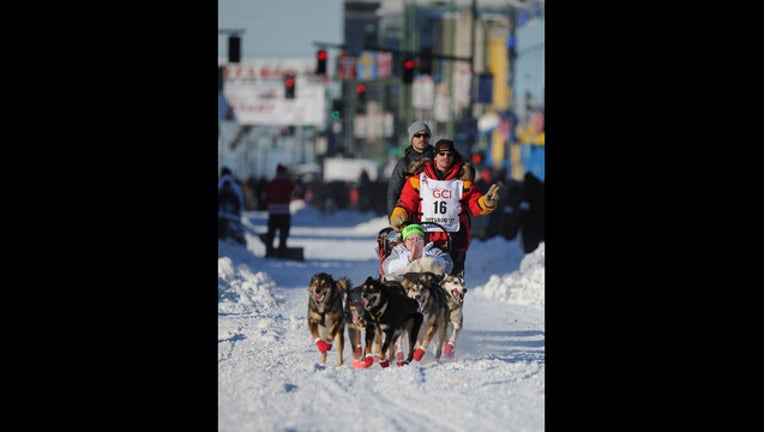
point(449, 350)
point(322, 345)
point(399, 358)
point(385, 363)
point(418, 354)
point(363, 364)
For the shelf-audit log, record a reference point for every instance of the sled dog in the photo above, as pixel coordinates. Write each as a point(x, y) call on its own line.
point(425, 289)
point(455, 291)
point(326, 318)
point(394, 313)
point(356, 323)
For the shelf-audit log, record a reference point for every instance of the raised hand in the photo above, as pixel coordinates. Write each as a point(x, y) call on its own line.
point(492, 196)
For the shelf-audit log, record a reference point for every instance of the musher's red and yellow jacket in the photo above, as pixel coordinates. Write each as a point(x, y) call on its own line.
point(473, 202)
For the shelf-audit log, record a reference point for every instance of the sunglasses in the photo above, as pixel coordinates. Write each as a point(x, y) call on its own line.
point(449, 154)
point(420, 135)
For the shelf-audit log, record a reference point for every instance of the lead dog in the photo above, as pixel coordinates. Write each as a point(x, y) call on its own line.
point(326, 318)
point(394, 313)
point(425, 288)
point(455, 290)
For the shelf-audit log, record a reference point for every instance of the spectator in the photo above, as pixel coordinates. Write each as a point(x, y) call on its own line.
point(442, 190)
point(419, 146)
point(480, 226)
point(228, 182)
point(364, 191)
point(532, 222)
point(278, 194)
point(230, 207)
point(412, 255)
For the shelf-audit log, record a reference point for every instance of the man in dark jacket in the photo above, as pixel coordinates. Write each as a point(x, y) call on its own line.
point(419, 139)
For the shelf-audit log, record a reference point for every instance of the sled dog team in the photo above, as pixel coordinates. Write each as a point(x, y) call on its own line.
point(411, 312)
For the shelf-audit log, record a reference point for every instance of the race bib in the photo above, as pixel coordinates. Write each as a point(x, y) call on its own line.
point(441, 202)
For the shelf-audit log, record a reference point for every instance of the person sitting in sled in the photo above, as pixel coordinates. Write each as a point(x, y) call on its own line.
point(413, 255)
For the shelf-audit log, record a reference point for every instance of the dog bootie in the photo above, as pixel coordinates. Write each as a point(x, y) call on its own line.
point(385, 363)
point(449, 350)
point(402, 363)
point(323, 346)
point(399, 358)
point(418, 354)
point(363, 364)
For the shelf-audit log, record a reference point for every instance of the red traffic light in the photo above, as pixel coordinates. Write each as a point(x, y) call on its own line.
point(289, 85)
point(360, 88)
point(321, 57)
point(408, 70)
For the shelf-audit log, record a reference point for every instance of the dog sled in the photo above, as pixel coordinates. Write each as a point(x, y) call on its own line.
point(387, 238)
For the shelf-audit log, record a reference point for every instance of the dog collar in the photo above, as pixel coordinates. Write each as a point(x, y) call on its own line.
point(381, 311)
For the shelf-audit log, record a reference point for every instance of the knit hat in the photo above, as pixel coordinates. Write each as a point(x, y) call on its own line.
point(413, 228)
point(445, 145)
point(416, 127)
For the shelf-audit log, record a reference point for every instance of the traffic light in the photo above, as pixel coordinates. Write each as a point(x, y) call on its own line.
point(360, 90)
point(234, 49)
point(338, 105)
point(289, 85)
point(321, 62)
point(408, 70)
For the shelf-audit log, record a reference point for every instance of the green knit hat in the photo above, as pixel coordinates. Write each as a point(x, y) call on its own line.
point(413, 228)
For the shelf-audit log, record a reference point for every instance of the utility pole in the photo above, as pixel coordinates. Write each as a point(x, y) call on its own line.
point(408, 44)
point(471, 139)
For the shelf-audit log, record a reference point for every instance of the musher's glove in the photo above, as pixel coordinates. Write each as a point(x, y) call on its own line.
point(397, 221)
point(492, 196)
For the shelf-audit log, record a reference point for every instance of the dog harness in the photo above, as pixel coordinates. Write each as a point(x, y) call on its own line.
point(381, 312)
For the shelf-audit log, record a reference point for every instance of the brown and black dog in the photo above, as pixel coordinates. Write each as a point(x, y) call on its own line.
point(326, 318)
point(425, 288)
point(394, 313)
point(356, 324)
point(453, 286)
